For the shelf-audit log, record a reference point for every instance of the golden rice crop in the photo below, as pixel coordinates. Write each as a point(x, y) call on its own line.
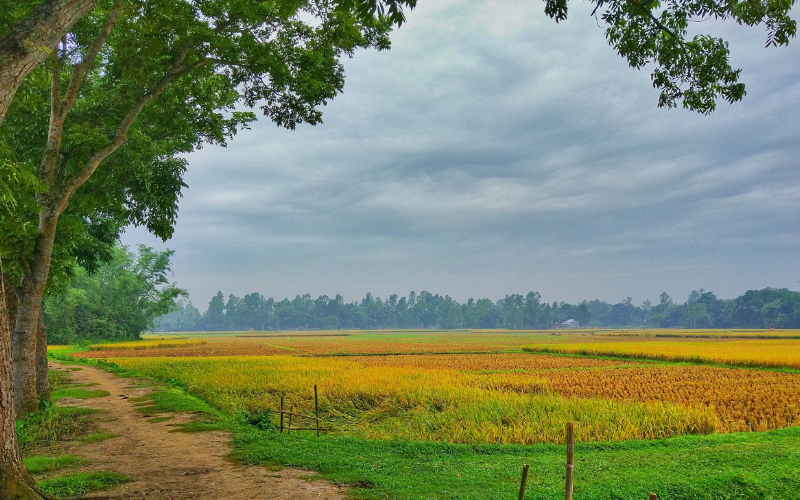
point(494, 362)
point(700, 333)
point(760, 353)
point(147, 344)
point(201, 349)
point(744, 400)
point(380, 401)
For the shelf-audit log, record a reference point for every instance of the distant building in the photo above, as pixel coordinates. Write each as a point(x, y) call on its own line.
point(570, 323)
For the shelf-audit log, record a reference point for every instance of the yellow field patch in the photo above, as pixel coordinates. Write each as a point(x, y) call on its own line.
point(757, 352)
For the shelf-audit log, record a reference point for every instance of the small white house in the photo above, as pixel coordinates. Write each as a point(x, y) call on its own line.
point(570, 323)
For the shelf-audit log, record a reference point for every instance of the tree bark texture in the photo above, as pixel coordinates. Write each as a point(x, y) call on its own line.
point(26, 326)
point(31, 41)
point(15, 482)
point(42, 380)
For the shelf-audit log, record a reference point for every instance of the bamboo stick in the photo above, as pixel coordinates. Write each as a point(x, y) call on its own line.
point(523, 482)
point(570, 461)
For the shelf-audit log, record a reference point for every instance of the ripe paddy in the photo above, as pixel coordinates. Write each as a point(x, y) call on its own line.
point(460, 387)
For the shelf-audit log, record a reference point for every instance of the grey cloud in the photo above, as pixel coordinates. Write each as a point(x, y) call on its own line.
point(492, 151)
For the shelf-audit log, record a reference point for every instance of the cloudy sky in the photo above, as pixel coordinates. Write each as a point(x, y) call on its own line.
point(493, 151)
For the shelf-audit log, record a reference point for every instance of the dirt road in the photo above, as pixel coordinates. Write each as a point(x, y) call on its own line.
point(166, 465)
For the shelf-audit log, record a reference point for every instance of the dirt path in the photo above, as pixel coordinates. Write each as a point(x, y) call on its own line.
point(177, 465)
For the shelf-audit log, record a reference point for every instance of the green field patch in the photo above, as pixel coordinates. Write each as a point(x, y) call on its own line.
point(96, 437)
point(745, 466)
point(77, 393)
point(56, 423)
point(72, 485)
point(200, 426)
point(40, 464)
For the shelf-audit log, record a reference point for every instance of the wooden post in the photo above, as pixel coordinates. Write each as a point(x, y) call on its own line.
point(291, 411)
point(316, 407)
point(281, 414)
point(522, 483)
point(570, 461)
point(653, 496)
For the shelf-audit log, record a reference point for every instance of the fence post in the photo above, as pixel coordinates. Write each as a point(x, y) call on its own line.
point(653, 496)
point(316, 407)
point(281, 414)
point(522, 483)
point(291, 411)
point(570, 461)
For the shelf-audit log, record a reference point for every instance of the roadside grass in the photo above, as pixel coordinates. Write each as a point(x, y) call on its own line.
point(77, 393)
point(40, 464)
point(54, 424)
point(73, 485)
point(96, 437)
point(739, 466)
point(744, 466)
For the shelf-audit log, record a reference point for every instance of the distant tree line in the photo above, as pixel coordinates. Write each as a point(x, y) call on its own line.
point(767, 308)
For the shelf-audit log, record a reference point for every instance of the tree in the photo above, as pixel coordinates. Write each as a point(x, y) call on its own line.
point(117, 302)
point(214, 318)
point(26, 44)
point(15, 482)
point(696, 311)
point(113, 104)
point(331, 322)
point(696, 71)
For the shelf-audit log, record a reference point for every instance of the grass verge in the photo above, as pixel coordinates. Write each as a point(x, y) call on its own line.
point(77, 393)
point(40, 464)
point(72, 485)
point(96, 437)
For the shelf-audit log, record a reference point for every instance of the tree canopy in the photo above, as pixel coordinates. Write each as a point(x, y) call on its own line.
point(118, 301)
point(689, 69)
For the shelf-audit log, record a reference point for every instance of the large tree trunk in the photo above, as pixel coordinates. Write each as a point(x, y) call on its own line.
point(29, 43)
point(42, 380)
point(24, 336)
point(15, 483)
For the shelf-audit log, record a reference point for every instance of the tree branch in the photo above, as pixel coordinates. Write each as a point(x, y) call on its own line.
point(30, 42)
point(179, 68)
point(60, 107)
point(90, 58)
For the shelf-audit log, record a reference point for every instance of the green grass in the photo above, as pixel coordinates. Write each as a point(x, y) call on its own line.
point(56, 423)
point(200, 426)
point(81, 483)
point(96, 437)
point(77, 393)
point(39, 464)
point(746, 466)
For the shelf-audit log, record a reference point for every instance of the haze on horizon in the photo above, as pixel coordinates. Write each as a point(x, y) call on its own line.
point(493, 151)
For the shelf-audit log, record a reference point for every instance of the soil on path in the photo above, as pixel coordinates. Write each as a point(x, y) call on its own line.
point(166, 465)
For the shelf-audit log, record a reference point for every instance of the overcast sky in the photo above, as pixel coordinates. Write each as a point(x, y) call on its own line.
point(493, 151)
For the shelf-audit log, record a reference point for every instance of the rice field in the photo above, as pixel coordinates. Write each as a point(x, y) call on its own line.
point(372, 399)
point(753, 353)
point(500, 387)
point(145, 345)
